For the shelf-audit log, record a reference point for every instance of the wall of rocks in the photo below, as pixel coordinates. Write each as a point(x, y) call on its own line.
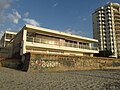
point(52, 62)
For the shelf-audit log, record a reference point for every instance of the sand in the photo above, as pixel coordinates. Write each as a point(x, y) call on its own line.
point(11, 79)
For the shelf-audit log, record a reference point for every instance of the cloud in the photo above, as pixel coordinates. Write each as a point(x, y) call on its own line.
point(31, 21)
point(4, 5)
point(19, 28)
point(75, 30)
point(84, 19)
point(70, 31)
point(14, 17)
point(8, 29)
point(108, 2)
point(1, 34)
point(55, 4)
point(26, 14)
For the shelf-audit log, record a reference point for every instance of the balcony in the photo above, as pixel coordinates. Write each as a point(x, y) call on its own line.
point(118, 42)
point(117, 16)
point(117, 26)
point(59, 43)
point(116, 13)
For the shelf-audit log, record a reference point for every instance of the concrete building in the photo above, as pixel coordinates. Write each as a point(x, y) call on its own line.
point(4, 41)
point(7, 36)
point(42, 40)
point(106, 28)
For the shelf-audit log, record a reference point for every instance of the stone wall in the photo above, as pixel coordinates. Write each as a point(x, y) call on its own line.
point(52, 62)
point(9, 63)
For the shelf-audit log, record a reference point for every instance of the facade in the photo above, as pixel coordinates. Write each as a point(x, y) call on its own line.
point(42, 40)
point(7, 36)
point(106, 28)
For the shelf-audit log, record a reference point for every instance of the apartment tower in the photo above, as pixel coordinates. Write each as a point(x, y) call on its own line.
point(106, 28)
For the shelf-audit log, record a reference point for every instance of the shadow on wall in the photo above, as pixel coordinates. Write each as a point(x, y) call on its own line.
point(106, 53)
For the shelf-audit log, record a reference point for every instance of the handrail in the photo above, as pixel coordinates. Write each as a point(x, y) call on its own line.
point(58, 43)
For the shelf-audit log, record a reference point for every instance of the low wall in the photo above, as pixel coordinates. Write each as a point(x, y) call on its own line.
point(50, 62)
point(6, 55)
point(4, 52)
point(9, 63)
point(1, 59)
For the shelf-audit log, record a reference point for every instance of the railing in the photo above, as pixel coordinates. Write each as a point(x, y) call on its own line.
point(58, 43)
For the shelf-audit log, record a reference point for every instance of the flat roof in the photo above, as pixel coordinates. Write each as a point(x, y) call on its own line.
point(10, 32)
point(59, 33)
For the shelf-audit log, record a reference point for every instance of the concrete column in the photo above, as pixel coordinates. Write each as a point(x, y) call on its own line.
point(23, 43)
point(91, 55)
point(4, 43)
point(90, 45)
point(77, 44)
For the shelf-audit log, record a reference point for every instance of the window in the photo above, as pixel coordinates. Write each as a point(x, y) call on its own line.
point(8, 36)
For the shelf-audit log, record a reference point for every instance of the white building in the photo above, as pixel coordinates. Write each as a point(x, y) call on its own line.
point(106, 28)
point(7, 36)
point(42, 40)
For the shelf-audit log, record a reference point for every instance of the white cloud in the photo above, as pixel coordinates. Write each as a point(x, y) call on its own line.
point(8, 29)
point(70, 31)
point(108, 2)
point(14, 17)
point(4, 4)
point(55, 4)
point(75, 30)
point(84, 19)
point(31, 21)
point(19, 28)
point(26, 14)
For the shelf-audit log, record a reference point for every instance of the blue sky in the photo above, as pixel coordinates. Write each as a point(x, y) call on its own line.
point(72, 16)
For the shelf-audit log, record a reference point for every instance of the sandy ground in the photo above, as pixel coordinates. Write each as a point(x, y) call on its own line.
point(11, 79)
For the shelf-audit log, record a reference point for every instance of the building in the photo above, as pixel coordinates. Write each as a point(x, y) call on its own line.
point(4, 41)
point(7, 36)
point(42, 40)
point(106, 28)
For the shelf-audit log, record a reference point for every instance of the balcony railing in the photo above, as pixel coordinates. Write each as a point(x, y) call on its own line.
point(58, 43)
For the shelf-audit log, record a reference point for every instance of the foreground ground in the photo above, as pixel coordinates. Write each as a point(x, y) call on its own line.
point(11, 79)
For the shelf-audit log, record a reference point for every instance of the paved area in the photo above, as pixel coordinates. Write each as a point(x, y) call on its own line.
point(11, 79)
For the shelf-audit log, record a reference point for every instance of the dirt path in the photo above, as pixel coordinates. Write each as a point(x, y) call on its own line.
point(72, 80)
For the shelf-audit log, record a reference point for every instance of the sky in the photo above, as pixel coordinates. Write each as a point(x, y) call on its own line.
point(71, 16)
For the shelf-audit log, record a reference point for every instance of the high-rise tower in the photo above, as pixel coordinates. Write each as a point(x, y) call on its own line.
point(106, 28)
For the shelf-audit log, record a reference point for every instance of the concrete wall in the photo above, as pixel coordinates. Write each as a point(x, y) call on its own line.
point(49, 62)
point(17, 44)
point(4, 52)
point(9, 63)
